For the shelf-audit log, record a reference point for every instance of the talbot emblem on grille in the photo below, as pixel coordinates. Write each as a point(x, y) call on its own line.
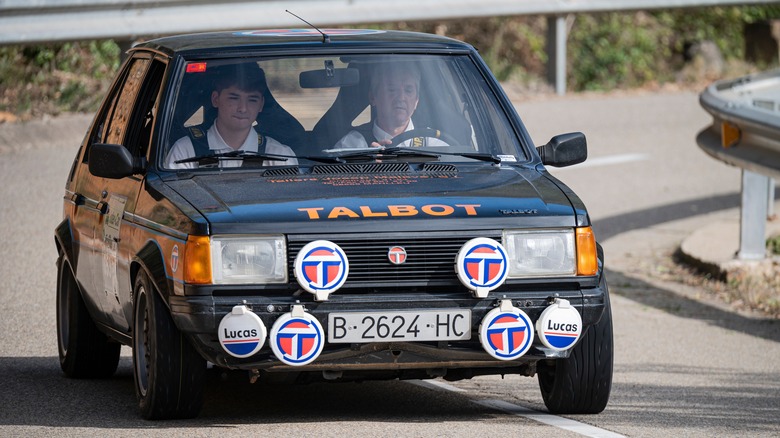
point(396, 255)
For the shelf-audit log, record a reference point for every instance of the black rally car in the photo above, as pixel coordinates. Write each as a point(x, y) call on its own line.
point(326, 249)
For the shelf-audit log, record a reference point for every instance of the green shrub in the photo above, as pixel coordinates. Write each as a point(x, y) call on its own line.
point(773, 245)
point(55, 78)
point(605, 51)
point(608, 50)
point(617, 50)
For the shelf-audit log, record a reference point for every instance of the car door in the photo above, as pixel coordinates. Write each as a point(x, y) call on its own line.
point(127, 120)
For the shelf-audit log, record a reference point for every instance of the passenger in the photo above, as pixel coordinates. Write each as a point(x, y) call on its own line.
point(238, 98)
point(393, 95)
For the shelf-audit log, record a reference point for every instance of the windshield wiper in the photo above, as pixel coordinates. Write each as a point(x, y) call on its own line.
point(233, 155)
point(322, 159)
point(476, 156)
point(387, 152)
point(399, 151)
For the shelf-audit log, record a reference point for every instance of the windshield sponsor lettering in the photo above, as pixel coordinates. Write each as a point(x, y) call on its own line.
point(365, 211)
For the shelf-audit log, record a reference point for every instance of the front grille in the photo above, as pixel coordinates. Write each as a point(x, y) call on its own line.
point(430, 257)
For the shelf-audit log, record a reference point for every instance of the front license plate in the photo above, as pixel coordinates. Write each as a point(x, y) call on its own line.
point(424, 325)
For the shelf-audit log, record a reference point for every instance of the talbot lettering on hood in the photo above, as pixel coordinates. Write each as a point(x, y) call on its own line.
point(365, 211)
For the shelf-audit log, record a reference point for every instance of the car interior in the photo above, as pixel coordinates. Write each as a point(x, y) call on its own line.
point(442, 106)
point(194, 108)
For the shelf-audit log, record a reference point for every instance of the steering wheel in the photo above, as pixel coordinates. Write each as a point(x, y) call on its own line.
point(423, 132)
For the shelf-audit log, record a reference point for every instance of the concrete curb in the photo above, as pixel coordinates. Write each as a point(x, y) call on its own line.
point(712, 248)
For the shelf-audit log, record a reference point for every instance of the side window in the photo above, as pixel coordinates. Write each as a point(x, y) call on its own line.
point(129, 117)
point(98, 132)
point(117, 126)
point(102, 129)
point(139, 129)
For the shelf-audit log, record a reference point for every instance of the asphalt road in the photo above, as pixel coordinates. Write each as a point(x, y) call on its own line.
point(684, 364)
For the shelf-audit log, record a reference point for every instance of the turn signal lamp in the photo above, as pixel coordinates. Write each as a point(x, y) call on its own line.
point(587, 258)
point(197, 260)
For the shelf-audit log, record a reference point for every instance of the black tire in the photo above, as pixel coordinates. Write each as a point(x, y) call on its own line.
point(85, 352)
point(169, 374)
point(581, 384)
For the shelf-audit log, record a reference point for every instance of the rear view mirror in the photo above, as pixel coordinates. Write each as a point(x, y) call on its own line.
point(329, 78)
point(564, 150)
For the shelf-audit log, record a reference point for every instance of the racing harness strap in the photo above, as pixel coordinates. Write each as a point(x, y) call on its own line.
point(367, 131)
point(200, 141)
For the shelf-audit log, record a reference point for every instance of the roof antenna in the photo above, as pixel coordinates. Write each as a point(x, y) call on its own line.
point(325, 37)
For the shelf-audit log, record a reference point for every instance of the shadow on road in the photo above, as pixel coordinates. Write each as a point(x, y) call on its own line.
point(736, 403)
point(36, 393)
point(685, 307)
point(614, 225)
point(670, 301)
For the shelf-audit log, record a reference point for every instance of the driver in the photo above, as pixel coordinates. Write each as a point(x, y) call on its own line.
point(393, 95)
point(238, 97)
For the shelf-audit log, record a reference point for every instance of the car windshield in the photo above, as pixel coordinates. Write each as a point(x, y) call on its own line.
point(300, 110)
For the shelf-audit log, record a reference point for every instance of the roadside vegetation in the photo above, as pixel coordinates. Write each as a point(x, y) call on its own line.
point(744, 286)
point(56, 78)
point(606, 51)
point(755, 286)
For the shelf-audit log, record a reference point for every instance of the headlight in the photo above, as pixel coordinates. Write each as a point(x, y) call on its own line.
point(248, 259)
point(541, 252)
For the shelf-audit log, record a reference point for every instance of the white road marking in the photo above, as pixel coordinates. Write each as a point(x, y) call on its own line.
point(549, 419)
point(436, 384)
point(607, 161)
point(510, 408)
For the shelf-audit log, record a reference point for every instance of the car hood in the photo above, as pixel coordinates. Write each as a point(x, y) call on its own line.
point(487, 197)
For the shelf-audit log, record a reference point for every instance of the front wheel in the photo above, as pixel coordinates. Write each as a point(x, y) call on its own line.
point(169, 374)
point(581, 383)
point(85, 352)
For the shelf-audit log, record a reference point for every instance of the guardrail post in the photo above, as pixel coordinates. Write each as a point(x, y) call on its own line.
point(753, 215)
point(124, 46)
point(556, 52)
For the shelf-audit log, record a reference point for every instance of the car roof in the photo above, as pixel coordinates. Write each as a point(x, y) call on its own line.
point(263, 39)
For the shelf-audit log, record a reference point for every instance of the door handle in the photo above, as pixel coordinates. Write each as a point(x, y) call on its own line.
point(77, 198)
point(102, 206)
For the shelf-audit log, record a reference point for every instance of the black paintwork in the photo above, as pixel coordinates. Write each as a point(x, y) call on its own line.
point(237, 202)
point(165, 207)
point(265, 40)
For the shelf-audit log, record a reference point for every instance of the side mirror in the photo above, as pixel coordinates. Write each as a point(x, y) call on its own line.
point(113, 161)
point(564, 150)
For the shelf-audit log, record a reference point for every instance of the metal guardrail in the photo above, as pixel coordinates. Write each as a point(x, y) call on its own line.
point(747, 110)
point(37, 21)
point(42, 21)
point(745, 132)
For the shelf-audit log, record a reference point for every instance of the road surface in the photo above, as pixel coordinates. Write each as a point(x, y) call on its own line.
point(684, 364)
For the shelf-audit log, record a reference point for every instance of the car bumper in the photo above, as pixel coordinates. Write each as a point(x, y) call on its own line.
point(199, 318)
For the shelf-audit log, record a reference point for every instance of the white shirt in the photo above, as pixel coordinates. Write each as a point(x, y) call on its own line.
point(356, 140)
point(183, 149)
